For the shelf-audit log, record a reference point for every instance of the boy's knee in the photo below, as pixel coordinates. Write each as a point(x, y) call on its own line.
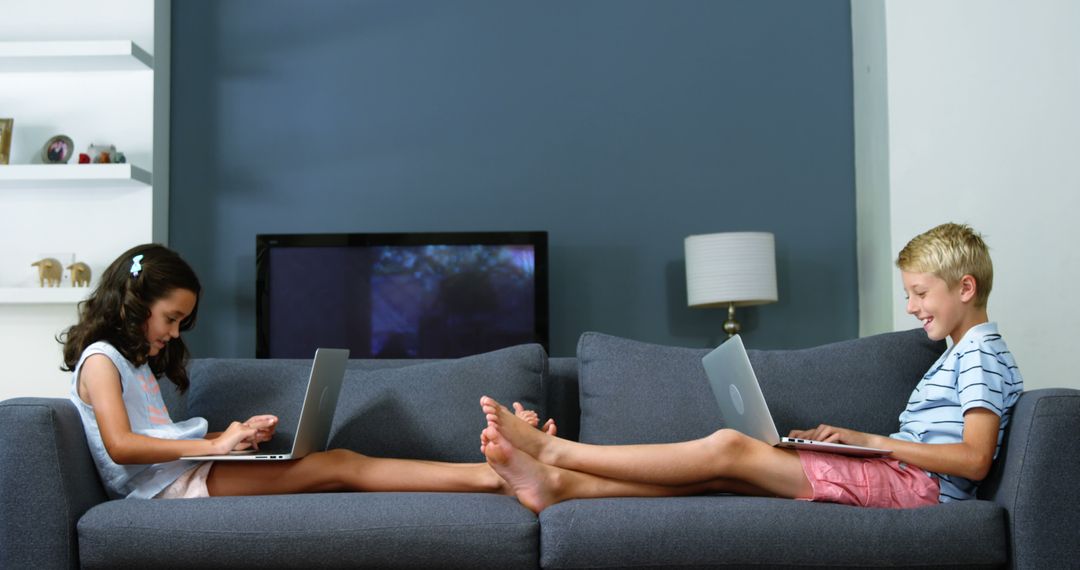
point(724, 443)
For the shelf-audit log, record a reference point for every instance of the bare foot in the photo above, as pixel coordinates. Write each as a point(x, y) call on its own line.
point(534, 484)
point(526, 438)
point(483, 440)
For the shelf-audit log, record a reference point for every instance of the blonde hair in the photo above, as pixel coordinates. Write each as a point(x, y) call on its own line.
point(951, 251)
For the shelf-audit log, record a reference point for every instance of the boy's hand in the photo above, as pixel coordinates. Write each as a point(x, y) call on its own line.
point(532, 418)
point(833, 434)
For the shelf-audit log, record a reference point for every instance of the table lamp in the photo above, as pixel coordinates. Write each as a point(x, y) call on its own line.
point(732, 269)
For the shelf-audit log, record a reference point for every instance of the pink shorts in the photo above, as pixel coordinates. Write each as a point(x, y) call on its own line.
point(868, 482)
point(191, 484)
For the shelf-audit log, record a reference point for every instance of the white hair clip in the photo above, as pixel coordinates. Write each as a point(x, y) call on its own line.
point(136, 266)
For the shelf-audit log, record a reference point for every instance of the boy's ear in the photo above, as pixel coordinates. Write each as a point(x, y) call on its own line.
point(968, 287)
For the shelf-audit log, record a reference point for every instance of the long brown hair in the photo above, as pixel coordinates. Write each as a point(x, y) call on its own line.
point(117, 311)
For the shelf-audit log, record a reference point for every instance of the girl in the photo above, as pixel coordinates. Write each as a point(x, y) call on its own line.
point(128, 335)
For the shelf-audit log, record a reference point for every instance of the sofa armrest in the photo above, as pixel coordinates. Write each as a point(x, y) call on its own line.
point(47, 481)
point(1034, 478)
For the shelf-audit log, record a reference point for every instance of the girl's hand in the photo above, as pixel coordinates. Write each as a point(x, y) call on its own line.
point(236, 438)
point(833, 434)
point(532, 418)
point(264, 426)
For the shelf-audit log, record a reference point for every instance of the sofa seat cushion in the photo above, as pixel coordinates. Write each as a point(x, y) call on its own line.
point(343, 530)
point(722, 530)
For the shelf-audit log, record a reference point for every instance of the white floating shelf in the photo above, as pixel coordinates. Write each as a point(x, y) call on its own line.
point(33, 57)
point(42, 295)
point(73, 175)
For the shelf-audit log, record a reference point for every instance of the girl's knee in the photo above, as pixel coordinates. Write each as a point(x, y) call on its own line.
point(335, 458)
point(344, 455)
point(334, 469)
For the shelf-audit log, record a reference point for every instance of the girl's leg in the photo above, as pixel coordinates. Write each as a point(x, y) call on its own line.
point(340, 470)
point(538, 486)
point(724, 455)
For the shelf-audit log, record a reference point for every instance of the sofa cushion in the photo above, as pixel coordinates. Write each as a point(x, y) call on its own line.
point(636, 392)
point(420, 410)
point(339, 530)
point(561, 385)
point(698, 532)
point(861, 384)
point(432, 410)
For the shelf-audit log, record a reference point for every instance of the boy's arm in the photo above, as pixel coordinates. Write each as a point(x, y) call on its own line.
point(970, 458)
point(102, 382)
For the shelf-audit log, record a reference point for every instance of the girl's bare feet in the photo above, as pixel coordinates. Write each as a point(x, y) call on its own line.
point(532, 418)
point(534, 484)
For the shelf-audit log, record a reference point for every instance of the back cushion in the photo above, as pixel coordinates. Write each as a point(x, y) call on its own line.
point(426, 410)
point(862, 384)
point(635, 392)
point(223, 390)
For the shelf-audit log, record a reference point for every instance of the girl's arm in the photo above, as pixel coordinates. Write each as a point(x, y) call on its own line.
point(264, 425)
point(100, 387)
point(970, 458)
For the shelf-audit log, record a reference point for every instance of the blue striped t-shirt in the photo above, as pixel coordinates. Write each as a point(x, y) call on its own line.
point(978, 372)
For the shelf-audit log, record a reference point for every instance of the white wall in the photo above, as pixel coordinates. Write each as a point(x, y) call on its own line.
point(870, 107)
point(124, 108)
point(983, 127)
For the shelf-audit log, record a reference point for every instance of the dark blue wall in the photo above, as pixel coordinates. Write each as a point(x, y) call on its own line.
point(619, 126)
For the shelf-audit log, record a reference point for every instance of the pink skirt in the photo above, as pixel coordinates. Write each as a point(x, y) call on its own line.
point(189, 485)
point(878, 482)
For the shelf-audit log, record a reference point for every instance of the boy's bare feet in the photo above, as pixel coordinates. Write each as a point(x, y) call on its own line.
point(521, 435)
point(528, 416)
point(534, 483)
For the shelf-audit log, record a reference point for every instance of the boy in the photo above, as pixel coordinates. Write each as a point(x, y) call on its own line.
point(949, 434)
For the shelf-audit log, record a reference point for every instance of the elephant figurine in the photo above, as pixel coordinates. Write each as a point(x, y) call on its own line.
point(49, 271)
point(80, 274)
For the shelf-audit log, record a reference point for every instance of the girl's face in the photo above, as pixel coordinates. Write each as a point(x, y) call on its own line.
point(165, 316)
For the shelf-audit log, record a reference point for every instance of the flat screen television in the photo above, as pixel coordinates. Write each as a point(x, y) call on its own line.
point(400, 295)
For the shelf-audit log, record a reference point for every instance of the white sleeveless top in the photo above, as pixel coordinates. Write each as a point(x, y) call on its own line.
point(147, 415)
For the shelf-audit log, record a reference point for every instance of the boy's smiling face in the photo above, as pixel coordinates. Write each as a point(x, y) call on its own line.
point(943, 310)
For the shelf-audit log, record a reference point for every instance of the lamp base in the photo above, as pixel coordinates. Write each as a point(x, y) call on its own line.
point(731, 326)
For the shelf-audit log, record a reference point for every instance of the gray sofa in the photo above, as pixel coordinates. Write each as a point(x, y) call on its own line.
point(54, 513)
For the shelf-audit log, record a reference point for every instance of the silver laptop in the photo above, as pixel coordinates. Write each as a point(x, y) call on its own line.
point(743, 405)
point(316, 413)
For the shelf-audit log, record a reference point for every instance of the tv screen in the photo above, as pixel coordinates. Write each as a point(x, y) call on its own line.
point(400, 295)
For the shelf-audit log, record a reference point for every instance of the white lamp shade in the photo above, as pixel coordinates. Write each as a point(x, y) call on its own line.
point(732, 267)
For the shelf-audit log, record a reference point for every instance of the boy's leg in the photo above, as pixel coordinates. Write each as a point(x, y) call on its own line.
point(538, 485)
point(339, 469)
point(726, 454)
